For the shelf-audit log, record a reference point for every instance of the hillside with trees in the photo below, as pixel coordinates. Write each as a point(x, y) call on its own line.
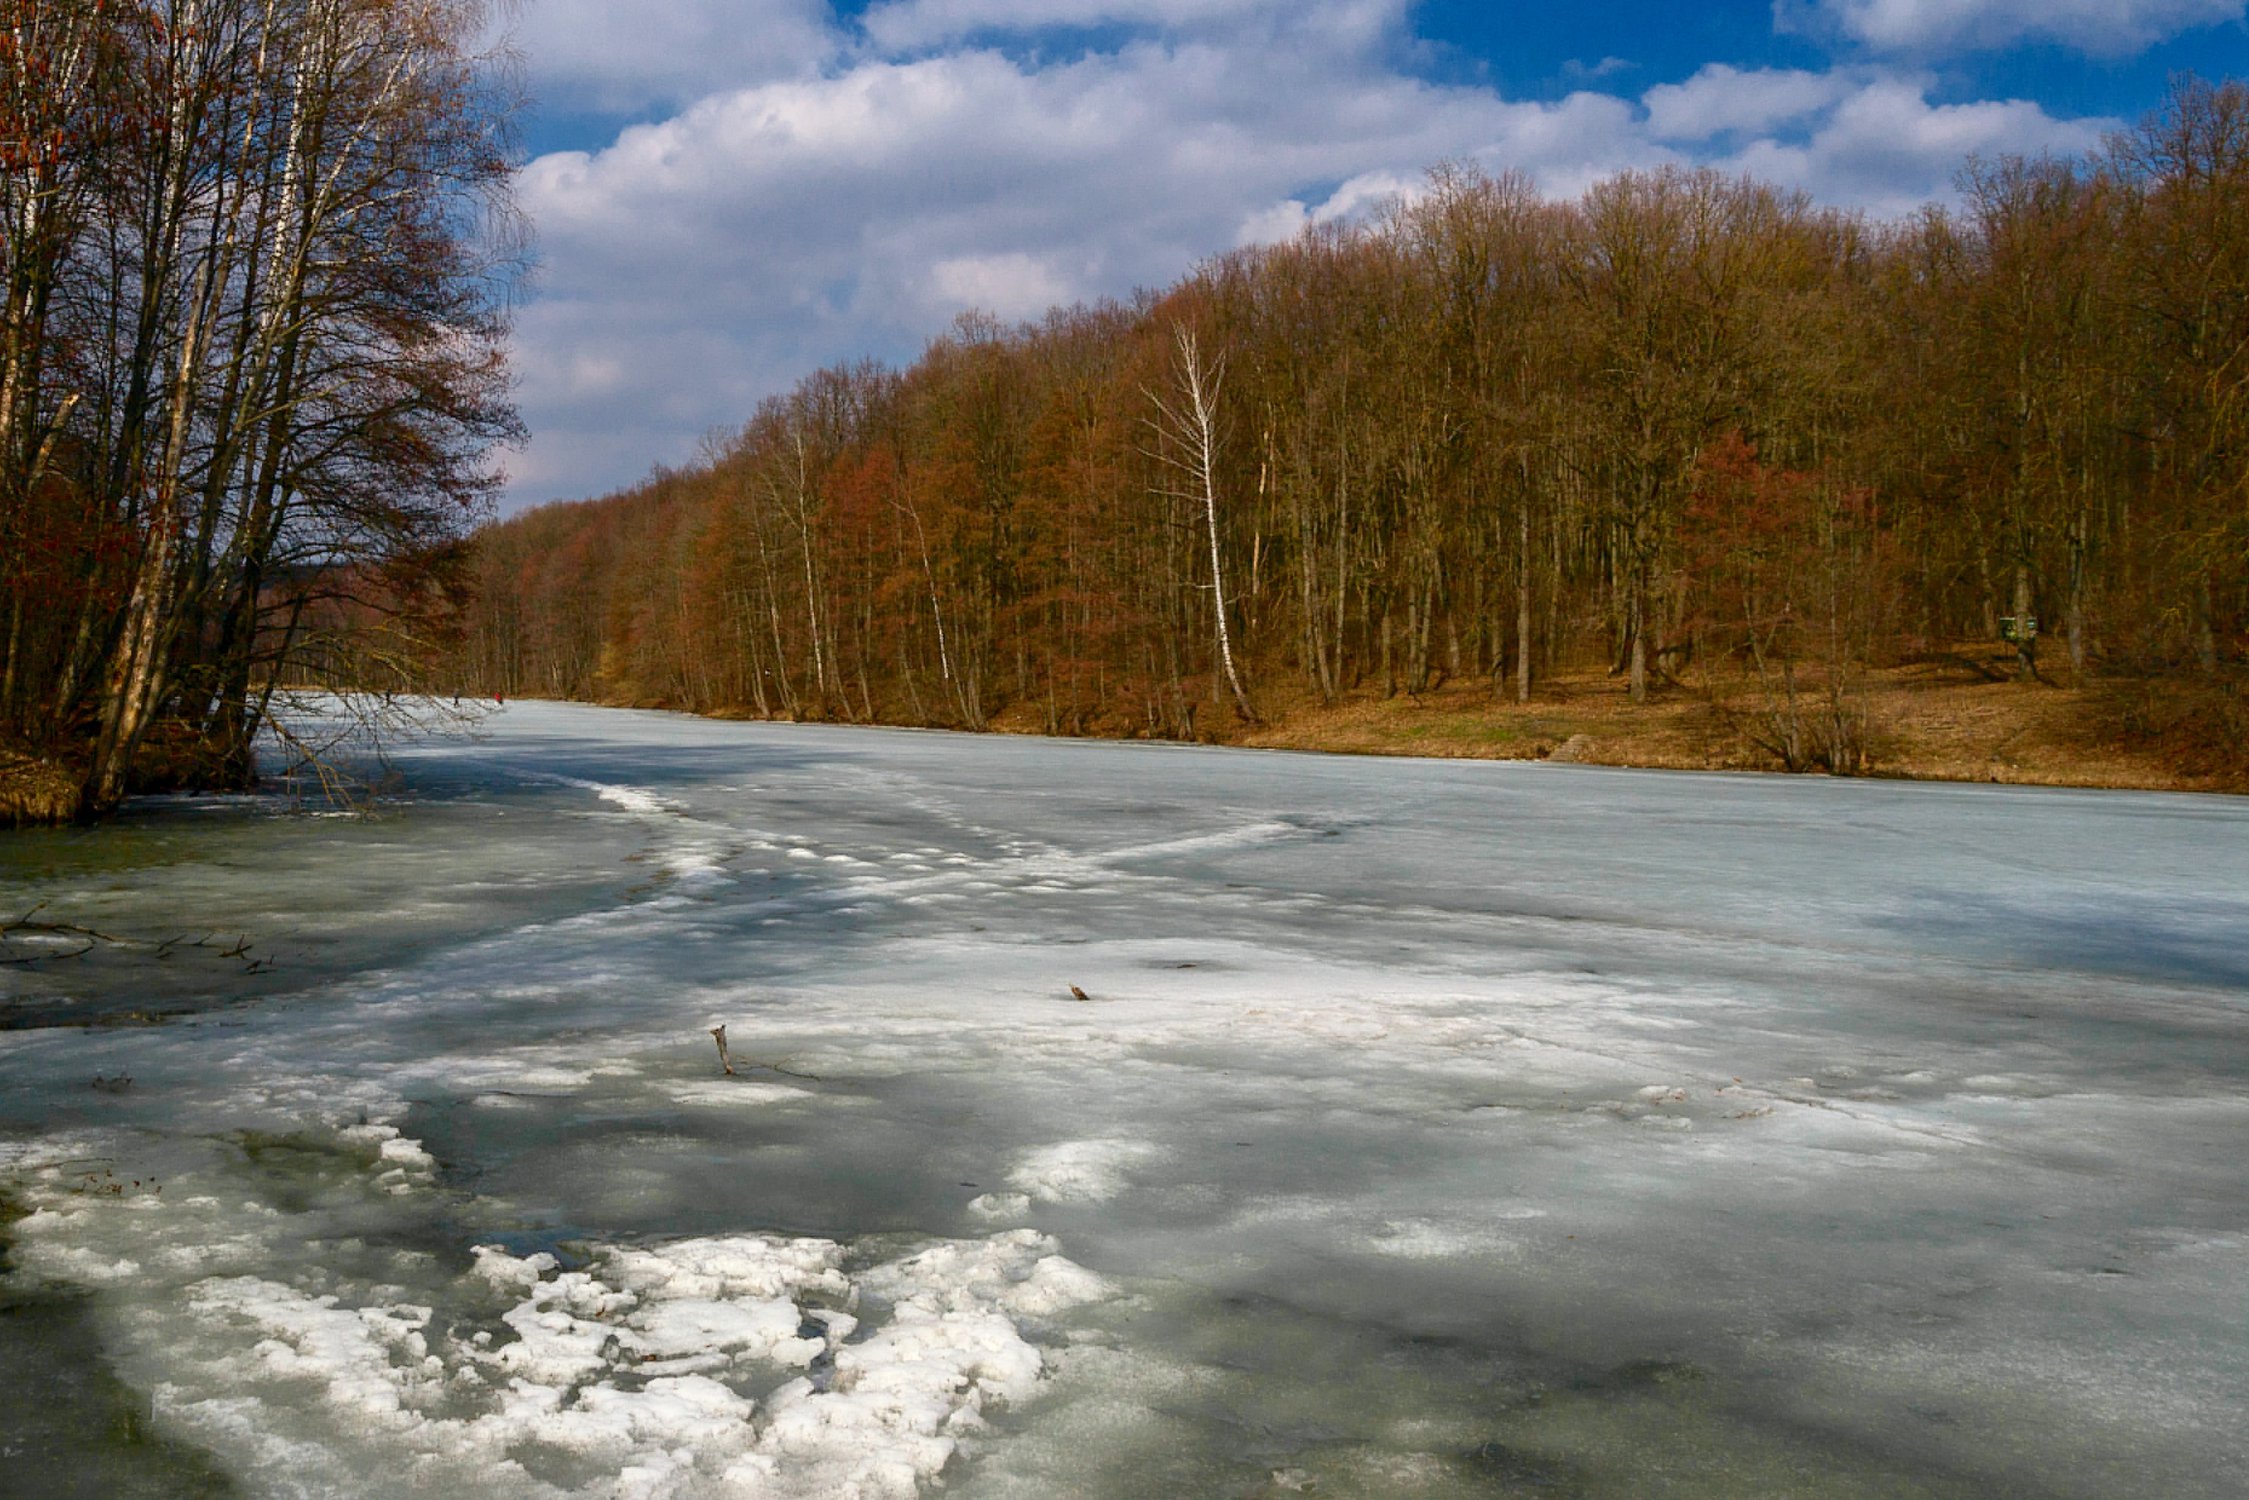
point(1689, 431)
point(1689, 427)
point(255, 269)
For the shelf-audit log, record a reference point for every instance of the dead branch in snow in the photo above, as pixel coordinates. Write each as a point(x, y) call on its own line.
point(89, 938)
point(726, 1061)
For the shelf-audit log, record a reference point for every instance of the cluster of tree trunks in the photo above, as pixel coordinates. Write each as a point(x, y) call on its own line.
point(1686, 416)
point(253, 255)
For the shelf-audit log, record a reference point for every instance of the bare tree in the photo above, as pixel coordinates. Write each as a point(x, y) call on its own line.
point(250, 361)
point(1187, 441)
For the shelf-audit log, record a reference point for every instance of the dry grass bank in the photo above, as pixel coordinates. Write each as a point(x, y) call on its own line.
point(38, 788)
point(1944, 719)
point(35, 790)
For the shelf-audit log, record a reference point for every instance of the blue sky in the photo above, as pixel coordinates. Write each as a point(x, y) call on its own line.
point(1543, 51)
point(730, 193)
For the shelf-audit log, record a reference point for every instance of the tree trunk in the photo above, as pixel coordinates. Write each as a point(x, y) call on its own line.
point(2026, 630)
point(2076, 619)
point(135, 678)
point(2205, 628)
point(1193, 425)
point(1523, 606)
point(1636, 623)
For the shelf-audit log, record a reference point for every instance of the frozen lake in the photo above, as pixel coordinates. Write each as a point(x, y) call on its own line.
point(1429, 1129)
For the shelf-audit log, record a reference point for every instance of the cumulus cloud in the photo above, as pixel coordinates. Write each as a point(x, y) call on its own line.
point(1720, 100)
point(908, 25)
point(1009, 285)
point(1934, 27)
point(853, 196)
point(1887, 149)
point(597, 56)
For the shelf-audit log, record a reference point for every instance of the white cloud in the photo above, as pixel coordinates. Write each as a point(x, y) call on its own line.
point(1011, 285)
point(601, 56)
point(1585, 72)
point(1934, 27)
point(1887, 149)
point(1721, 100)
point(909, 25)
point(829, 209)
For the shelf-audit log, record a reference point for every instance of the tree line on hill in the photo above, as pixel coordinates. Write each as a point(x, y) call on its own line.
point(255, 259)
point(1686, 418)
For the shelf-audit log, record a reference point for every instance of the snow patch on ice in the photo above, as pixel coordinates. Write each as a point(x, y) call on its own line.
point(632, 799)
point(1247, 835)
point(732, 1092)
point(1428, 1239)
point(405, 1165)
point(1000, 1205)
point(630, 1375)
point(694, 866)
point(1081, 1171)
point(637, 1370)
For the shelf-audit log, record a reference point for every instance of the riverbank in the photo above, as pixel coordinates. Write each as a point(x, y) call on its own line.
point(1958, 716)
point(1931, 721)
point(1955, 716)
point(42, 786)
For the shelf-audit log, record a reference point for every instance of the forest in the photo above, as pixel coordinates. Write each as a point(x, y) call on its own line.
point(255, 264)
point(1691, 430)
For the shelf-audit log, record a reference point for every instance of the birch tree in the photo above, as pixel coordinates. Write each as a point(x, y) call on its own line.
point(1185, 425)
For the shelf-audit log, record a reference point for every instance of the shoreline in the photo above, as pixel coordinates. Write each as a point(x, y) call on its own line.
point(1950, 723)
point(1976, 733)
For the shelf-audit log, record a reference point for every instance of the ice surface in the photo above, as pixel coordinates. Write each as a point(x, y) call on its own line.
point(1430, 1128)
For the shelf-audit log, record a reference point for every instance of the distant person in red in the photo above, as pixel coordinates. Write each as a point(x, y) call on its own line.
point(501, 699)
